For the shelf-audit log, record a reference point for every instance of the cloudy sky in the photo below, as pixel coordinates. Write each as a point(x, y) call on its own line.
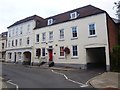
point(14, 10)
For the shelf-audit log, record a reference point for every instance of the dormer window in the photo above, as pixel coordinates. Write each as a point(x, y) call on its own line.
point(73, 15)
point(50, 21)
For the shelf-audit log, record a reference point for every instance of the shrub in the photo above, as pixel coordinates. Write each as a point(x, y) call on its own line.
point(115, 59)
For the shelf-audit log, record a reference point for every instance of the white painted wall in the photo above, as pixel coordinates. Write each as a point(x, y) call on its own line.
point(25, 33)
point(83, 40)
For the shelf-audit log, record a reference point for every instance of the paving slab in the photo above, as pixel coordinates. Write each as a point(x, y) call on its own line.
point(106, 80)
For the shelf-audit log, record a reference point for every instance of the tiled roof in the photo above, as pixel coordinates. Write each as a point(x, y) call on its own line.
point(85, 11)
point(34, 17)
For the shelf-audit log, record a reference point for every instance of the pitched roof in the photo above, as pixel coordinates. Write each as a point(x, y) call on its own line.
point(34, 17)
point(85, 11)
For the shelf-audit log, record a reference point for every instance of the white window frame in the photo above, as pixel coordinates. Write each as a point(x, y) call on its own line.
point(37, 38)
point(9, 43)
point(89, 30)
point(50, 35)
point(44, 52)
point(76, 32)
point(13, 32)
point(20, 42)
point(60, 51)
point(16, 31)
point(28, 28)
point(9, 33)
point(28, 40)
point(16, 42)
point(62, 34)
point(21, 30)
point(50, 21)
point(73, 15)
point(44, 37)
point(19, 55)
point(76, 50)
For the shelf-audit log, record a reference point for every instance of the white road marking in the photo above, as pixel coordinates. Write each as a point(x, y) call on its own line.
point(81, 84)
point(9, 81)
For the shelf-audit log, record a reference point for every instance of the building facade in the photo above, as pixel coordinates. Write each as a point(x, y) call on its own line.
point(81, 38)
point(3, 44)
point(20, 40)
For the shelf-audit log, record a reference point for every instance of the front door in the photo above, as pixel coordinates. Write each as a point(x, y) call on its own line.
point(50, 55)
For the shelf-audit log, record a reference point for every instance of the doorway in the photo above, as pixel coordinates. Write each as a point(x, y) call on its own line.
point(27, 58)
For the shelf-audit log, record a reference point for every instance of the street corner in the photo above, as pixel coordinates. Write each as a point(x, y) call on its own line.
point(107, 81)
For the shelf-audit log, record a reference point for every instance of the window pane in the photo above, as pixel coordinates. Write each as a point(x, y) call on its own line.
point(74, 31)
point(75, 52)
point(61, 51)
point(43, 51)
point(92, 29)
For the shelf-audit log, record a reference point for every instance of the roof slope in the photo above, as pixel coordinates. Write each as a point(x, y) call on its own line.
point(34, 17)
point(85, 11)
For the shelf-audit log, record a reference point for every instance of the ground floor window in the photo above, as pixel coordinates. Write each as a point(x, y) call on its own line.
point(19, 55)
point(62, 51)
point(38, 52)
point(9, 55)
point(43, 51)
point(74, 50)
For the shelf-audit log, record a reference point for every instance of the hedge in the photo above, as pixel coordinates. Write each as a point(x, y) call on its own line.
point(115, 59)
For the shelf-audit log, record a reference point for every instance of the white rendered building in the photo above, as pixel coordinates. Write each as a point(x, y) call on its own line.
point(20, 40)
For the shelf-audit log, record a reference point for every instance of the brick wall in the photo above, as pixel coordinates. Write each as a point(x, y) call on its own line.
point(112, 33)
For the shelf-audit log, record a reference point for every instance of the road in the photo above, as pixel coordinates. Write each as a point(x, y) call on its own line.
point(35, 77)
point(26, 77)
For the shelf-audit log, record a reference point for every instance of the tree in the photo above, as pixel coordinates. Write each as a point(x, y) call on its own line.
point(117, 5)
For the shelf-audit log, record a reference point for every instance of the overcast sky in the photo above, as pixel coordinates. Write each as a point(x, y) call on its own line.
point(14, 10)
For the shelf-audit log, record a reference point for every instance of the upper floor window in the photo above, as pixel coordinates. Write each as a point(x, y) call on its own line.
point(2, 45)
point(28, 28)
point(20, 42)
point(20, 30)
point(73, 15)
point(74, 32)
point(50, 21)
point(13, 32)
point(9, 33)
point(12, 42)
point(37, 37)
point(74, 50)
point(51, 35)
point(43, 36)
point(9, 43)
point(16, 41)
point(92, 31)
point(16, 31)
point(28, 40)
point(62, 34)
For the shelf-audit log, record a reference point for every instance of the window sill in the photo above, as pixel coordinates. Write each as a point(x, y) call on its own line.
point(74, 38)
point(50, 41)
point(90, 36)
point(74, 57)
point(61, 58)
point(43, 42)
point(37, 43)
point(61, 40)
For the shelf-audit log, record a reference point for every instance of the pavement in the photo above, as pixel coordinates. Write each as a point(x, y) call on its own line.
point(105, 80)
point(2, 83)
